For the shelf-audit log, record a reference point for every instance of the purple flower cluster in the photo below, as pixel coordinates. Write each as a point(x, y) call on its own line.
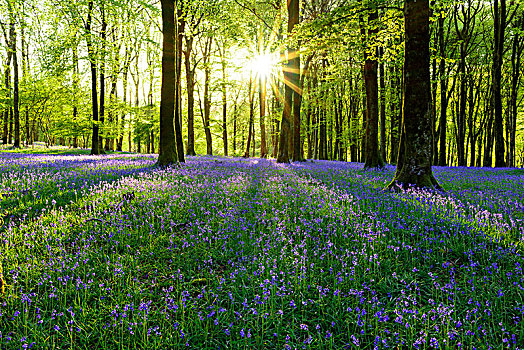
point(228, 252)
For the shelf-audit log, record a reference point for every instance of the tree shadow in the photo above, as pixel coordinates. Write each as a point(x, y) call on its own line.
point(34, 183)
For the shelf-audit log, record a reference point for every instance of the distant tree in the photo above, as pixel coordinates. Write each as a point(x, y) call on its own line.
point(414, 160)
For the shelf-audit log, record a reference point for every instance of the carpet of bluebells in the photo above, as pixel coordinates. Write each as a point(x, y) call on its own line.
point(228, 253)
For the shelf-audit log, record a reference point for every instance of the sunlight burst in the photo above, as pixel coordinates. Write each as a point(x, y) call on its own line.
point(263, 64)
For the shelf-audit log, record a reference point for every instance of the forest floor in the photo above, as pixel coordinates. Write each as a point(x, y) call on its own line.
point(111, 252)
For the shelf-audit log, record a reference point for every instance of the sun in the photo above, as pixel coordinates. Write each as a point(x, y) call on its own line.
point(263, 65)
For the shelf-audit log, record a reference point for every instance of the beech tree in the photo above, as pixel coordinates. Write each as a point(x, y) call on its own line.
point(415, 151)
point(167, 152)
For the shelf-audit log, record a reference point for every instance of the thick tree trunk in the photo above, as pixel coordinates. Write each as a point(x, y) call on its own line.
point(167, 148)
point(414, 165)
point(289, 79)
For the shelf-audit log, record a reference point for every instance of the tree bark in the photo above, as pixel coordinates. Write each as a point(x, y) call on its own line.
point(251, 93)
point(95, 149)
point(289, 78)
point(179, 34)
point(190, 87)
point(222, 51)
point(382, 85)
point(262, 97)
point(103, 36)
point(16, 90)
point(414, 163)
point(372, 154)
point(207, 98)
point(167, 148)
point(7, 82)
point(443, 95)
point(516, 53)
point(498, 51)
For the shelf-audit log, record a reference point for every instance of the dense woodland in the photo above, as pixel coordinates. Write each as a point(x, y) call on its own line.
point(327, 77)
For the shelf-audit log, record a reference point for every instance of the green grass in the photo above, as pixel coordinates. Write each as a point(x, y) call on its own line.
point(226, 255)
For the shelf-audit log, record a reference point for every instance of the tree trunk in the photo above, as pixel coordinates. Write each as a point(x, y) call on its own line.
point(222, 51)
point(516, 53)
point(414, 163)
point(295, 84)
point(190, 87)
point(251, 93)
point(207, 98)
point(373, 158)
point(262, 97)
point(167, 148)
point(103, 35)
point(382, 84)
point(7, 81)
point(95, 149)
point(498, 51)
point(179, 34)
point(443, 96)
point(16, 91)
point(289, 78)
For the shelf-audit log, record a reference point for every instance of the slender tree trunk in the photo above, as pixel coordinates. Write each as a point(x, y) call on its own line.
point(7, 82)
point(262, 98)
point(396, 113)
point(125, 71)
point(373, 158)
point(382, 85)
point(487, 160)
point(138, 131)
point(516, 53)
point(190, 87)
point(76, 78)
point(251, 93)
point(103, 36)
point(179, 35)
point(235, 130)
point(499, 28)
point(207, 97)
point(222, 51)
point(16, 92)
point(95, 149)
point(443, 96)
point(296, 86)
